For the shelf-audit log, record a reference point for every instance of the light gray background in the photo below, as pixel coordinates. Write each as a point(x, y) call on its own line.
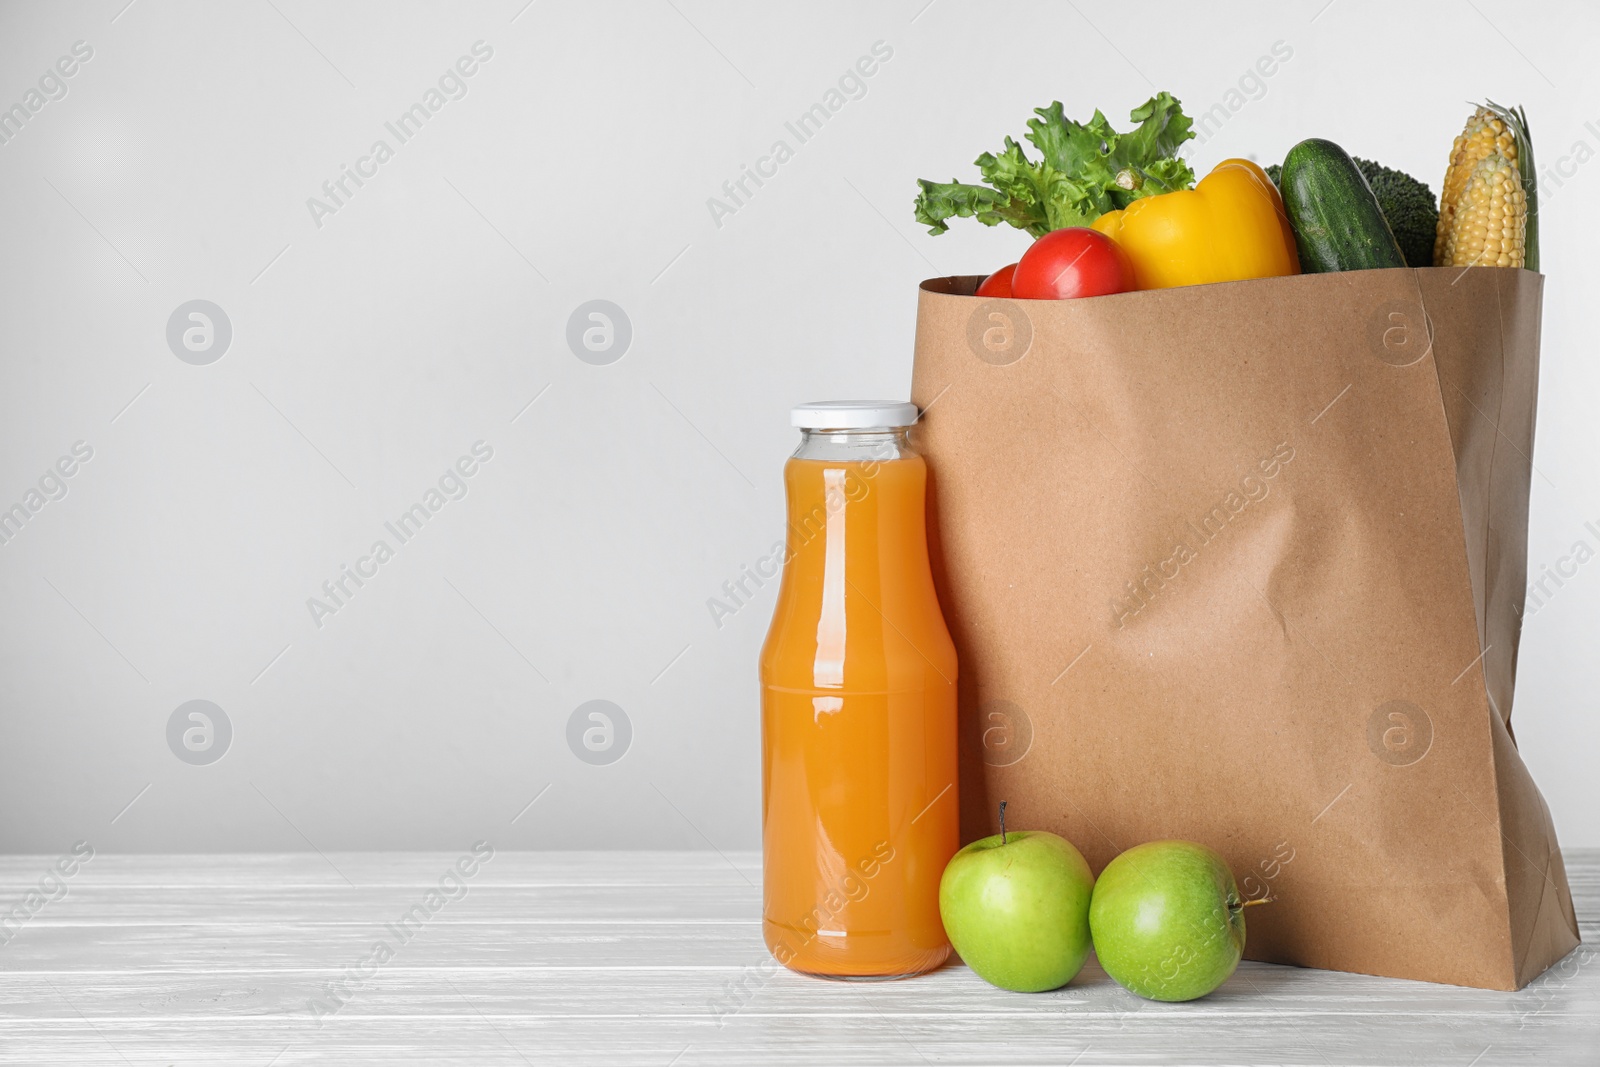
point(368, 354)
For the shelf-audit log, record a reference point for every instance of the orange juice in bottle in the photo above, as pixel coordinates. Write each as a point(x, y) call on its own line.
point(858, 708)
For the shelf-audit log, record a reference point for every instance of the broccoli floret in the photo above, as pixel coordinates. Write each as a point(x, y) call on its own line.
point(1409, 207)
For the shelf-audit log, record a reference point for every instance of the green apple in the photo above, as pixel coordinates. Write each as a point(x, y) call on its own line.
point(1167, 920)
point(1016, 908)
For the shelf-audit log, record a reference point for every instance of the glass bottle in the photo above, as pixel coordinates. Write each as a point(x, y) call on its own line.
point(858, 708)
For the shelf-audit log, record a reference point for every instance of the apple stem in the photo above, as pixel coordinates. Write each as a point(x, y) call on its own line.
point(1257, 900)
point(1002, 822)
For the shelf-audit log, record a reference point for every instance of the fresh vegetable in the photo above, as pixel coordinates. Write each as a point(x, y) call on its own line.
point(1228, 228)
point(1337, 222)
point(1084, 170)
point(1069, 263)
point(998, 283)
point(1407, 205)
point(1409, 208)
point(1487, 208)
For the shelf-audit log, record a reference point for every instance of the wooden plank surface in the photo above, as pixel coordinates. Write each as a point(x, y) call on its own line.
point(641, 958)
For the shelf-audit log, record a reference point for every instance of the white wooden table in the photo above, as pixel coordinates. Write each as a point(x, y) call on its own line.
point(641, 958)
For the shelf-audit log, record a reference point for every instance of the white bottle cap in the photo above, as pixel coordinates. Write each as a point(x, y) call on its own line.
point(853, 414)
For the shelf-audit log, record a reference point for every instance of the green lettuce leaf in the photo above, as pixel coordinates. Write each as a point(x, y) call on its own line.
point(940, 201)
point(1084, 170)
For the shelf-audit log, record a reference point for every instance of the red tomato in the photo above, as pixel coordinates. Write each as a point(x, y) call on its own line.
point(1073, 262)
point(998, 283)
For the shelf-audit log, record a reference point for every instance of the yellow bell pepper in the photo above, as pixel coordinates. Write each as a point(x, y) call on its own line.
point(1229, 227)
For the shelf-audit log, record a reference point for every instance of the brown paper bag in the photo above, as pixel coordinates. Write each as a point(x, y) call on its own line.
point(1244, 564)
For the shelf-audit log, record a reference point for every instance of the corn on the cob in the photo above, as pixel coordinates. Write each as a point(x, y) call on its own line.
point(1489, 218)
point(1486, 207)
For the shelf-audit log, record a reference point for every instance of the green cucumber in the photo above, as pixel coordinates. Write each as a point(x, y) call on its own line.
point(1337, 222)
